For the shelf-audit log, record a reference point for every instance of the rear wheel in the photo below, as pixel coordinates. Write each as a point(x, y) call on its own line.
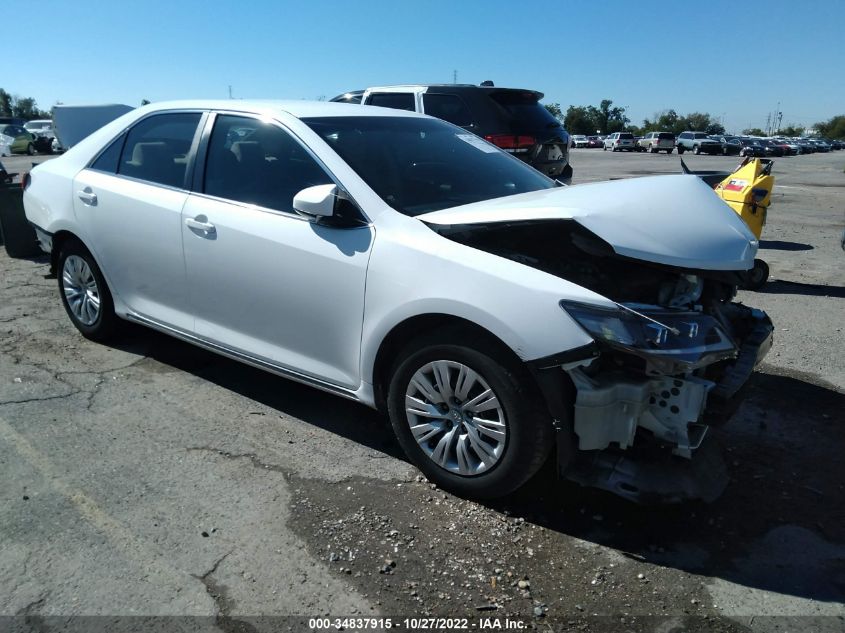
point(84, 292)
point(652, 149)
point(30, 149)
point(468, 419)
point(669, 151)
point(696, 150)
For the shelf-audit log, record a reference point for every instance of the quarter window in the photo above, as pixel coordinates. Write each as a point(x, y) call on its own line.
point(450, 108)
point(110, 157)
point(157, 148)
point(254, 162)
point(395, 100)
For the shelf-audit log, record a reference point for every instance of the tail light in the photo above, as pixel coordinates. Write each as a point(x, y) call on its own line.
point(511, 142)
point(25, 181)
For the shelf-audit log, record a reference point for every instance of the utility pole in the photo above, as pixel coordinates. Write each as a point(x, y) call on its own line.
point(768, 122)
point(230, 91)
point(454, 76)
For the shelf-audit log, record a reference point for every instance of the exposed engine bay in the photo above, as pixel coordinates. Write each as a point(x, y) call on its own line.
point(666, 365)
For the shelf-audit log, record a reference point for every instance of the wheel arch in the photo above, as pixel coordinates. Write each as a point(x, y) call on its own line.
point(419, 325)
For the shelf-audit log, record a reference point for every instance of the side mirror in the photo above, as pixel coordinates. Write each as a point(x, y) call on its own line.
point(317, 201)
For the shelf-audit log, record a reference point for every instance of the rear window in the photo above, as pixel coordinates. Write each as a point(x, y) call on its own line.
point(700, 135)
point(626, 135)
point(450, 108)
point(666, 136)
point(395, 100)
point(525, 108)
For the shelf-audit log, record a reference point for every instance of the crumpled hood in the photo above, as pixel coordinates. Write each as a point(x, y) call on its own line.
point(673, 220)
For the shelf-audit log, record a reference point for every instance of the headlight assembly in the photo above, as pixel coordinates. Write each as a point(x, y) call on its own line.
point(685, 340)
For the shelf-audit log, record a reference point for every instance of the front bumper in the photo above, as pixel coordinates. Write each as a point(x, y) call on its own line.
point(643, 433)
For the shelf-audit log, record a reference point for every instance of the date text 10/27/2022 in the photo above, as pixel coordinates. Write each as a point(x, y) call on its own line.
point(480, 624)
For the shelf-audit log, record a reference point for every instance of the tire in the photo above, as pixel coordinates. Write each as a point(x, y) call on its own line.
point(604, 147)
point(18, 236)
point(652, 149)
point(516, 409)
point(757, 276)
point(30, 149)
point(669, 151)
point(680, 149)
point(696, 150)
point(80, 284)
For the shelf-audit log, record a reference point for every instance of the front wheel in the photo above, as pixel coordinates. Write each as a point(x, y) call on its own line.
point(680, 149)
point(757, 276)
point(469, 420)
point(696, 150)
point(30, 149)
point(84, 292)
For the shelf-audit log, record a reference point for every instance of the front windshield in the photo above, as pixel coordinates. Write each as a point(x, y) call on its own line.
point(417, 165)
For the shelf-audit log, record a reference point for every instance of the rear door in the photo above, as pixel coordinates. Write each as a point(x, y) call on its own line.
point(129, 203)
point(265, 281)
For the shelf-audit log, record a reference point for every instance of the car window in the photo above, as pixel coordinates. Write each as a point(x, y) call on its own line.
point(395, 100)
point(255, 162)
point(156, 149)
point(109, 158)
point(626, 135)
point(450, 108)
point(418, 165)
point(700, 135)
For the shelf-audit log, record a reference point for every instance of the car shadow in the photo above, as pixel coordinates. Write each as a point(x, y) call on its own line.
point(783, 448)
point(781, 245)
point(784, 287)
point(779, 526)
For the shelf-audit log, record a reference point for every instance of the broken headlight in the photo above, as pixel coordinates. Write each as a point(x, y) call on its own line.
point(672, 341)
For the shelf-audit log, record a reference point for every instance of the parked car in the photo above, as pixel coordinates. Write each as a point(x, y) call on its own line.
point(697, 143)
point(807, 146)
point(772, 148)
point(752, 147)
point(509, 118)
point(788, 148)
point(595, 141)
point(837, 144)
point(17, 139)
point(353, 96)
point(619, 141)
point(396, 260)
point(658, 142)
point(794, 146)
point(42, 130)
point(821, 145)
point(579, 140)
point(730, 144)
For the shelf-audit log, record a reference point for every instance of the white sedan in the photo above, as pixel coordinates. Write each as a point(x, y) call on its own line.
point(397, 260)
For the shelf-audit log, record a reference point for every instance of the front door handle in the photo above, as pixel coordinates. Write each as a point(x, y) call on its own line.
point(88, 196)
point(200, 223)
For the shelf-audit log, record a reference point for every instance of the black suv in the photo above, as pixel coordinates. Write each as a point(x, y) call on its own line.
point(510, 118)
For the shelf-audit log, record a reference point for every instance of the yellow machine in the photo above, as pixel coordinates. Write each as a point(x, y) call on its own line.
point(748, 191)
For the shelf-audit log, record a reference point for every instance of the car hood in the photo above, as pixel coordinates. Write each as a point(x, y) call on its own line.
point(673, 220)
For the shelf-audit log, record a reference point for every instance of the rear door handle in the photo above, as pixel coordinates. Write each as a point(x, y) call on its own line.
point(199, 224)
point(88, 197)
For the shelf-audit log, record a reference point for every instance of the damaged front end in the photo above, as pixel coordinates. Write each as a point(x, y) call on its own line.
point(667, 361)
point(643, 405)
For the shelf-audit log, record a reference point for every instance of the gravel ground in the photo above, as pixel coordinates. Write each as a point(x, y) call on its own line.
point(150, 478)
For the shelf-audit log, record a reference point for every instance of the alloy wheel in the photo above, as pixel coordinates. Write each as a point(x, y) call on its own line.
point(80, 289)
point(455, 417)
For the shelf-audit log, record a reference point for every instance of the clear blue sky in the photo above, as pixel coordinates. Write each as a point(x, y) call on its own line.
point(735, 60)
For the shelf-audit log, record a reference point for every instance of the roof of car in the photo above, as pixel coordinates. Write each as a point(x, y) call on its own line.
point(299, 108)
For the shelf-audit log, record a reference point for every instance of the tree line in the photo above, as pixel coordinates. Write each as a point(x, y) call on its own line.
point(607, 119)
point(20, 107)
